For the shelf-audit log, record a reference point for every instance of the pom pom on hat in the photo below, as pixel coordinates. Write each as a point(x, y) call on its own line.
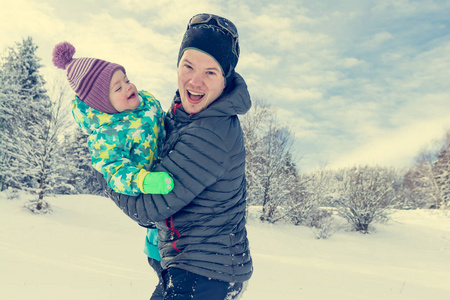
point(88, 77)
point(62, 55)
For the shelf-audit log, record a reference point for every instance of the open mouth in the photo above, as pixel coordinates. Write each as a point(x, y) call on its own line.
point(195, 97)
point(132, 96)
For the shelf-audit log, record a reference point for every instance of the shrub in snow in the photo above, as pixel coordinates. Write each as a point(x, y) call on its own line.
point(322, 224)
point(38, 206)
point(367, 195)
point(12, 194)
point(310, 196)
point(301, 211)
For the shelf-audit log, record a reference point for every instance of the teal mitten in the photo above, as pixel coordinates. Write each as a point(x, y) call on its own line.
point(157, 183)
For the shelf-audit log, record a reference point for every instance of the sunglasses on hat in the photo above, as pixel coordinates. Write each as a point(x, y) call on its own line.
point(221, 22)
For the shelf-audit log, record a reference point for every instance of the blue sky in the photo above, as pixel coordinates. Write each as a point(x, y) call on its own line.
point(357, 82)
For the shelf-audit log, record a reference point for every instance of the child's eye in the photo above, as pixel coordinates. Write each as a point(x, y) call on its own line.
point(118, 89)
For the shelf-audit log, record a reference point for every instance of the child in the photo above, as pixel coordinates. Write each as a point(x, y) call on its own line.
point(125, 128)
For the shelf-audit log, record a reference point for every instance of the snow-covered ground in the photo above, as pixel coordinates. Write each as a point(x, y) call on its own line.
point(88, 249)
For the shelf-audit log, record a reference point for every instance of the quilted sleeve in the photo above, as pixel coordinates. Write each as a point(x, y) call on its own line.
point(197, 160)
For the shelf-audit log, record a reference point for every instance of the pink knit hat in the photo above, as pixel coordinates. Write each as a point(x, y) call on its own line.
point(88, 77)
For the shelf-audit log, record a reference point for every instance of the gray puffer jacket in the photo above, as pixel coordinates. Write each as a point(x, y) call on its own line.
point(202, 221)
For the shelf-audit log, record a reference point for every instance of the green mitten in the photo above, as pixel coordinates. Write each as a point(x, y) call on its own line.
point(157, 183)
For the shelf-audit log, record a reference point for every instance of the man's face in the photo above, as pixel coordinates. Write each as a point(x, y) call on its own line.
point(200, 80)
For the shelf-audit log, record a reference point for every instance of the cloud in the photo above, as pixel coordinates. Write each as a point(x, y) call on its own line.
point(299, 126)
point(349, 62)
point(347, 76)
point(397, 147)
point(406, 7)
point(377, 40)
point(163, 14)
point(281, 34)
point(21, 18)
point(257, 61)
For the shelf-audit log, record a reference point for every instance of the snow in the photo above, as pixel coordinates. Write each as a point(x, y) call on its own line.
point(88, 249)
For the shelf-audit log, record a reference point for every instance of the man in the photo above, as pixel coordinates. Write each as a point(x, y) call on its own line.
point(202, 235)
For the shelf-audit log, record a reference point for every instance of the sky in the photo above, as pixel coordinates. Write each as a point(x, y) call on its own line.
point(356, 82)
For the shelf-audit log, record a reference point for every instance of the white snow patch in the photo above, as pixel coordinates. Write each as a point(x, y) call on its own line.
point(88, 249)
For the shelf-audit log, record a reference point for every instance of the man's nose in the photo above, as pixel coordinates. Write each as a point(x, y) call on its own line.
point(196, 79)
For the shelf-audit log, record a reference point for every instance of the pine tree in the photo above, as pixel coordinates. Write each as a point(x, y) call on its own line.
point(30, 141)
point(7, 95)
point(9, 99)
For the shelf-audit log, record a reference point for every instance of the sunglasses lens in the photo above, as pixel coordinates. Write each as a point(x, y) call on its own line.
point(224, 23)
point(200, 19)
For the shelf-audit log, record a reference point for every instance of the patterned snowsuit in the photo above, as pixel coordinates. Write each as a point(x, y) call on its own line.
point(123, 146)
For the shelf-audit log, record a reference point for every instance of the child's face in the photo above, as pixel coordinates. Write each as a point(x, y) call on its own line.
point(122, 93)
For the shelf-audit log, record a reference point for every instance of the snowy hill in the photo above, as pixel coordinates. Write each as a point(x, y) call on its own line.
point(88, 249)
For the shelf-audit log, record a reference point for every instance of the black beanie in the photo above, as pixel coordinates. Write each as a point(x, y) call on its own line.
point(214, 41)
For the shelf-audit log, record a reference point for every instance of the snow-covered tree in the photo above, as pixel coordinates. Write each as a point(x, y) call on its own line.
point(368, 194)
point(9, 100)
point(27, 109)
point(427, 183)
point(251, 123)
point(57, 173)
point(441, 170)
point(270, 170)
point(8, 94)
point(30, 140)
point(421, 187)
point(311, 194)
